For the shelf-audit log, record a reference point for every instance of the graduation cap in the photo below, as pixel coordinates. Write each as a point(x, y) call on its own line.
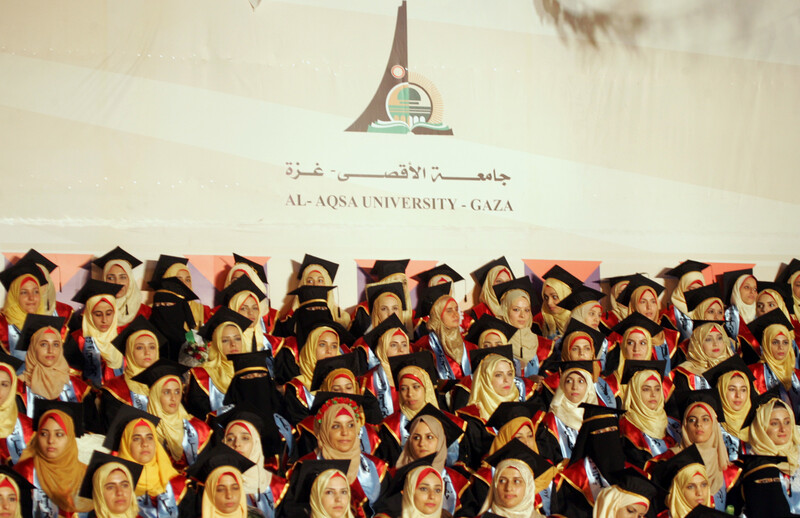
point(398, 482)
point(25, 490)
point(452, 431)
point(139, 323)
point(761, 400)
point(637, 281)
point(23, 267)
point(272, 442)
point(695, 297)
point(213, 458)
point(631, 480)
point(34, 323)
point(586, 365)
point(557, 272)
point(34, 256)
point(330, 267)
point(480, 274)
point(708, 397)
point(520, 283)
point(425, 277)
point(728, 280)
point(350, 361)
point(100, 459)
point(774, 317)
point(686, 267)
point(323, 320)
point(432, 294)
point(634, 366)
point(173, 285)
point(94, 287)
point(580, 295)
point(259, 268)
point(421, 359)
point(613, 281)
point(74, 410)
point(117, 254)
point(165, 262)
point(733, 364)
point(478, 355)
point(309, 470)
point(383, 269)
point(784, 290)
point(256, 360)
point(320, 398)
point(243, 283)
point(509, 410)
point(391, 322)
point(487, 323)
point(12, 361)
point(223, 315)
point(663, 472)
point(785, 274)
point(637, 320)
point(122, 418)
point(576, 326)
point(376, 290)
point(701, 511)
point(161, 368)
point(516, 449)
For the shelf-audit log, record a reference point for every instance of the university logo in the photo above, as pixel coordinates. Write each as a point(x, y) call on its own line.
point(405, 102)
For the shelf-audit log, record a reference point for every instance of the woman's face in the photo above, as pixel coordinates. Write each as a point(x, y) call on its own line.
point(239, 438)
point(696, 491)
point(698, 424)
point(231, 340)
point(593, 316)
point(228, 494)
point(502, 277)
point(397, 345)
point(29, 296)
point(423, 442)
point(492, 339)
point(779, 346)
point(652, 394)
point(738, 392)
point(250, 309)
point(336, 497)
point(327, 345)
point(52, 439)
point(143, 444)
point(510, 487)
point(796, 287)
point(647, 305)
point(503, 378)
point(116, 275)
point(519, 314)
point(103, 315)
point(48, 348)
point(314, 278)
point(632, 511)
point(185, 277)
point(387, 305)
point(5, 385)
point(748, 290)
point(636, 347)
point(779, 428)
point(574, 387)
point(8, 502)
point(170, 397)
point(551, 299)
point(714, 344)
point(714, 312)
point(145, 351)
point(525, 434)
point(450, 316)
point(765, 303)
point(428, 494)
point(581, 349)
point(412, 394)
point(117, 492)
point(343, 432)
point(343, 385)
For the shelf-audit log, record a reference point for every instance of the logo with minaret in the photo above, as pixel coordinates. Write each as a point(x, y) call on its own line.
point(405, 101)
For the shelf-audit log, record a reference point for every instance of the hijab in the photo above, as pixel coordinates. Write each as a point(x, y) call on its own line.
point(198, 311)
point(318, 491)
point(525, 341)
point(778, 301)
point(45, 381)
point(713, 451)
point(407, 315)
point(157, 473)
point(250, 272)
point(612, 499)
point(48, 292)
point(209, 509)
point(327, 383)
point(677, 504)
point(253, 334)
point(734, 419)
point(679, 293)
point(618, 309)
point(5, 480)
point(323, 422)
point(762, 444)
point(308, 355)
point(783, 369)
point(128, 305)
point(407, 456)
point(747, 311)
point(102, 339)
point(795, 298)
point(170, 428)
point(11, 309)
point(413, 480)
point(451, 340)
point(698, 361)
point(568, 412)
point(342, 317)
point(483, 394)
point(488, 296)
point(509, 430)
point(581, 313)
point(8, 407)
point(699, 313)
point(373, 311)
point(60, 478)
point(218, 366)
point(651, 422)
point(555, 323)
point(98, 481)
point(131, 367)
point(420, 376)
point(526, 508)
point(256, 479)
point(568, 341)
point(628, 332)
point(381, 351)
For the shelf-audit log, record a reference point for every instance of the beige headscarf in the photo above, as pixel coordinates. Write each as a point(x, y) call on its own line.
point(618, 309)
point(407, 456)
point(699, 313)
point(170, 428)
point(568, 412)
point(581, 313)
point(713, 451)
point(637, 295)
point(756, 436)
point(421, 377)
point(734, 419)
point(8, 407)
point(128, 305)
point(374, 314)
point(677, 504)
point(198, 312)
point(308, 355)
point(795, 298)
point(488, 296)
point(318, 491)
point(381, 351)
point(747, 311)
point(209, 509)
point(256, 479)
point(524, 343)
point(698, 361)
point(45, 381)
point(628, 332)
point(407, 315)
point(451, 340)
point(253, 333)
point(651, 422)
point(218, 366)
point(342, 317)
point(483, 395)
point(555, 323)
point(679, 294)
point(413, 480)
point(250, 272)
point(612, 499)
point(102, 339)
point(5, 479)
point(48, 291)
point(778, 301)
point(11, 308)
point(327, 383)
point(322, 428)
point(527, 506)
point(783, 369)
point(98, 481)
point(131, 368)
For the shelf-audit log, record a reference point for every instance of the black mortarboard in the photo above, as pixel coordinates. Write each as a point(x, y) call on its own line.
point(520, 283)
point(695, 297)
point(33, 323)
point(480, 274)
point(74, 410)
point(320, 398)
point(485, 323)
point(391, 322)
point(312, 293)
point(425, 277)
point(376, 290)
point(256, 360)
point(122, 418)
point(580, 295)
point(476, 356)
point(350, 361)
point(398, 481)
point(309, 470)
point(728, 279)
point(634, 366)
point(243, 283)
point(509, 410)
point(173, 285)
point(117, 254)
point(685, 267)
point(164, 262)
point(587, 365)
point(213, 458)
point(613, 281)
point(664, 472)
point(100, 459)
point(760, 400)
point(784, 290)
point(271, 442)
point(760, 324)
point(25, 490)
point(576, 326)
point(324, 321)
point(701, 511)
point(139, 323)
point(451, 431)
point(383, 269)
point(785, 274)
point(734, 363)
point(634, 481)
point(421, 359)
point(330, 267)
point(162, 367)
point(13, 361)
point(516, 449)
point(222, 316)
point(36, 257)
point(432, 294)
point(637, 281)
point(709, 397)
point(637, 320)
point(557, 272)
point(23, 267)
point(259, 268)
point(94, 287)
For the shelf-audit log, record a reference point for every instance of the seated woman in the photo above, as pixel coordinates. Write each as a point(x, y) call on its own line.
point(386, 341)
point(616, 312)
point(486, 277)
point(423, 494)
point(776, 370)
point(16, 428)
point(315, 271)
point(50, 461)
point(632, 497)
point(706, 303)
point(437, 275)
point(330, 495)
point(109, 483)
point(209, 382)
point(218, 474)
point(708, 346)
point(517, 483)
point(733, 381)
point(16, 493)
point(685, 478)
point(494, 382)
point(741, 289)
point(636, 343)
point(385, 272)
point(772, 296)
point(24, 283)
point(690, 277)
point(242, 266)
point(552, 319)
point(171, 266)
point(52, 306)
point(584, 306)
point(117, 266)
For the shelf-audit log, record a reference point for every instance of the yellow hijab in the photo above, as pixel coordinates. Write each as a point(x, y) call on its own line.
point(252, 333)
point(170, 428)
point(483, 395)
point(652, 422)
point(98, 481)
point(757, 437)
point(525, 342)
point(102, 339)
point(413, 480)
point(250, 272)
point(128, 305)
point(451, 340)
point(783, 369)
point(421, 377)
point(218, 366)
point(747, 311)
point(612, 499)
point(555, 323)
point(308, 355)
point(318, 491)
point(381, 351)
point(679, 294)
point(488, 296)
point(12, 310)
point(5, 479)
point(209, 509)
point(713, 451)
point(698, 361)
point(509, 430)
point(734, 419)
point(8, 407)
point(618, 309)
point(157, 473)
point(628, 332)
point(677, 504)
point(131, 367)
point(45, 381)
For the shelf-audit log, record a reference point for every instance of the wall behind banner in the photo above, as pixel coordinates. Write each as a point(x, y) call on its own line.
point(203, 127)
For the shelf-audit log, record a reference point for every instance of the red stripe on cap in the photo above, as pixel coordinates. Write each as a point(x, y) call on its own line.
point(243, 424)
point(315, 271)
point(425, 473)
point(714, 330)
point(572, 342)
point(781, 334)
point(7, 370)
point(112, 304)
